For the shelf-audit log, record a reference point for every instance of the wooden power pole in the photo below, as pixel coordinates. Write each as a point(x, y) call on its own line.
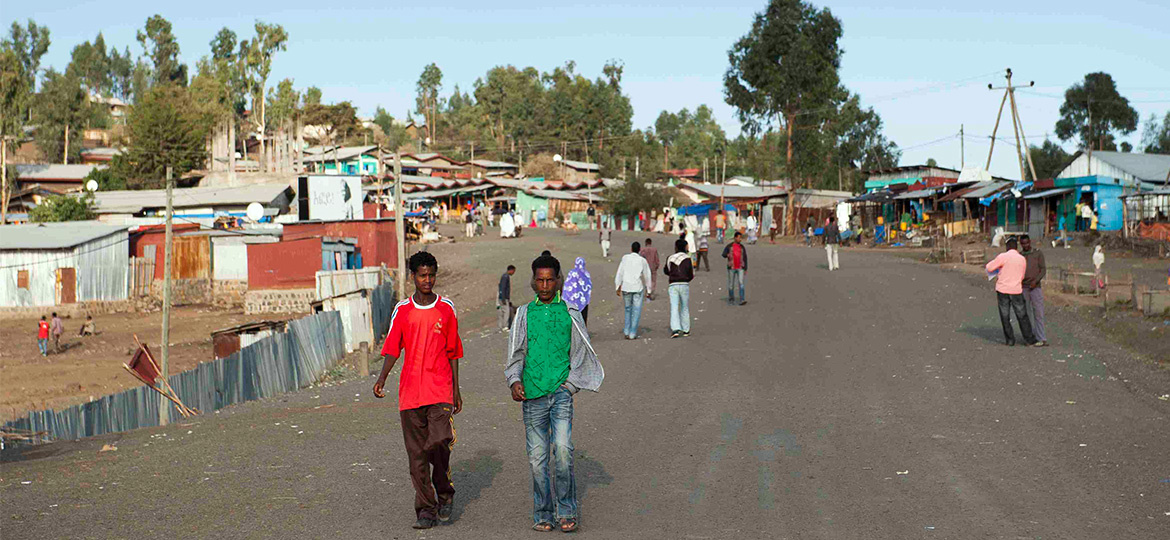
point(164, 409)
point(400, 226)
point(1022, 153)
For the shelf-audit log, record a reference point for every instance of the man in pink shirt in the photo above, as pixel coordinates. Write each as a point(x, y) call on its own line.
point(1009, 292)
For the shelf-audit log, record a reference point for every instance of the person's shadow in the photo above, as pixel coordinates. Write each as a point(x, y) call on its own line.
point(990, 334)
point(472, 476)
point(590, 472)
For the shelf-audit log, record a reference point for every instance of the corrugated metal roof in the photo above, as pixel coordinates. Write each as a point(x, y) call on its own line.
point(581, 165)
point(1147, 167)
point(920, 194)
point(132, 201)
point(1049, 193)
point(488, 164)
point(551, 194)
point(985, 190)
point(445, 192)
point(734, 192)
point(55, 235)
point(342, 154)
point(41, 171)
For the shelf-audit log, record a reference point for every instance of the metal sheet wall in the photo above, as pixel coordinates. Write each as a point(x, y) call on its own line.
point(102, 270)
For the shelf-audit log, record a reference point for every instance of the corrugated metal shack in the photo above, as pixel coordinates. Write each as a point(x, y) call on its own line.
point(230, 340)
point(51, 264)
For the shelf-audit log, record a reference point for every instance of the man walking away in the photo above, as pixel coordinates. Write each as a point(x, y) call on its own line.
point(1034, 298)
point(605, 234)
point(720, 225)
point(57, 328)
point(425, 330)
point(631, 281)
point(1009, 292)
point(702, 255)
point(680, 271)
point(549, 360)
point(737, 260)
point(468, 224)
point(650, 253)
point(504, 299)
point(832, 238)
point(43, 336)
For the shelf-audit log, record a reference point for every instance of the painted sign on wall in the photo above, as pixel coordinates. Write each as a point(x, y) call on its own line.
point(335, 197)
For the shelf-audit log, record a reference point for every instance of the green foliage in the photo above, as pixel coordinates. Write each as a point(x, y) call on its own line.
point(427, 102)
point(1048, 159)
point(165, 129)
point(284, 102)
point(1155, 136)
point(1111, 113)
point(394, 136)
point(256, 57)
point(64, 208)
point(689, 138)
point(158, 42)
point(20, 60)
point(930, 162)
point(29, 43)
point(312, 96)
point(635, 195)
point(107, 179)
point(339, 120)
point(63, 102)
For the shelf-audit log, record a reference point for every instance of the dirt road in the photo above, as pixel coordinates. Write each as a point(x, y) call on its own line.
point(873, 402)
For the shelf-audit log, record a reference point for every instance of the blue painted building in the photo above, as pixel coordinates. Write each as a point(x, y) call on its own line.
point(350, 160)
point(1100, 181)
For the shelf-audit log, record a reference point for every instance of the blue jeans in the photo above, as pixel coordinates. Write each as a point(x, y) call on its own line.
point(680, 311)
point(43, 345)
point(633, 302)
point(736, 278)
point(548, 424)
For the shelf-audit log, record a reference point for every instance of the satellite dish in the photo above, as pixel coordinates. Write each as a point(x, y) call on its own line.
point(255, 211)
point(557, 158)
point(92, 185)
point(428, 141)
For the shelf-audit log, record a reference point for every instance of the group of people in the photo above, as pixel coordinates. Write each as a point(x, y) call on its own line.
point(1019, 272)
point(54, 328)
point(549, 360)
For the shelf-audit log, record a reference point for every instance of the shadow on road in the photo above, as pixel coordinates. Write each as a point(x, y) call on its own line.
point(590, 472)
point(992, 334)
point(472, 476)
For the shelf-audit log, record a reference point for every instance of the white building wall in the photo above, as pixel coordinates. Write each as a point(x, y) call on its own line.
point(1080, 167)
point(101, 267)
point(42, 268)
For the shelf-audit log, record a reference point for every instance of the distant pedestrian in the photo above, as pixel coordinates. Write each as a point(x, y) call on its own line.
point(89, 328)
point(650, 253)
point(1063, 228)
point(632, 280)
point(468, 224)
point(504, 309)
point(702, 253)
point(737, 265)
point(424, 329)
point(832, 238)
point(681, 271)
point(1033, 296)
point(1010, 266)
point(578, 289)
point(1086, 216)
point(56, 327)
point(1098, 262)
point(604, 235)
point(43, 336)
point(753, 225)
point(692, 245)
point(549, 360)
point(809, 231)
point(720, 226)
point(772, 224)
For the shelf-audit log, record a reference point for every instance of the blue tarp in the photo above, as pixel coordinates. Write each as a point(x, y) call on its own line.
point(703, 209)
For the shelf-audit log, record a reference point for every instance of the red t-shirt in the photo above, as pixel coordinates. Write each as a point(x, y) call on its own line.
point(736, 256)
point(430, 336)
point(43, 330)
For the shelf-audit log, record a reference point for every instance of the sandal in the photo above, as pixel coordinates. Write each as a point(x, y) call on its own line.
point(543, 526)
point(569, 525)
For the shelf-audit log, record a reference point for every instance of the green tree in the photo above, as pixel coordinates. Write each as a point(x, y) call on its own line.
point(62, 110)
point(930, 162)
point(1155, 136)
point(122, 74)
point(284, 102)
point(107, 178)
point(312, 96)
point(165, 130)
point(64, 208)
point(1095, 97)
point(257, 55)
point(784, 71)
point(635, 195)
point(428, 102)
point(158, 41)
point(90, 63)
point(1048, 158)
point(338, 121)
point(29, 44)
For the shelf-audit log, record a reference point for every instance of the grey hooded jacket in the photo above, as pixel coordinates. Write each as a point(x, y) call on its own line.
point(585, 371)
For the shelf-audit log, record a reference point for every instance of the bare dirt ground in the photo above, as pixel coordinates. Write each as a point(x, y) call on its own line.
point(91, 367)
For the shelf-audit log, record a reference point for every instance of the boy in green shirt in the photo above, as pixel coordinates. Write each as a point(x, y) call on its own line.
point(549, 360)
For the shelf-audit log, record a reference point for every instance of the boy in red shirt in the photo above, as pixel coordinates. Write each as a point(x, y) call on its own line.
point(426, 328)
point(43, 336)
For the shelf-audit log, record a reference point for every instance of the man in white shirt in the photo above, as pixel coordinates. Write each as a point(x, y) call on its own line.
point(632, 280)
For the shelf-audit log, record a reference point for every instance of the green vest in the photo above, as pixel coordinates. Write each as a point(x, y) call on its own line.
point(546, 364)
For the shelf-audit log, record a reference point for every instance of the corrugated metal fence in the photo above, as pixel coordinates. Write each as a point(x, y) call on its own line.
point(279, 363)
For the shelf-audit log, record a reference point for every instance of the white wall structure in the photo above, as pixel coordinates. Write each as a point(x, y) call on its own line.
point(98, 255)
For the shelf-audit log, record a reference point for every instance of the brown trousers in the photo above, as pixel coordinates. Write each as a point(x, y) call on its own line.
point(429, 433)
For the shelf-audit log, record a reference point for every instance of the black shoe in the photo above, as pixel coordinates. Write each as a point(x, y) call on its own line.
point(743, 302)
point(1011, 343)
point(424, 523)
point(445, 511)
point(674, 335)
point(686, 334)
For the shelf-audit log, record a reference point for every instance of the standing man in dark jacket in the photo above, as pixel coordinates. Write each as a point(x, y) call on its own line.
point(737, 260)
point(1033, 274)
point(832, 238)
point(504, 308)
point(650, 253)
point(681, 271)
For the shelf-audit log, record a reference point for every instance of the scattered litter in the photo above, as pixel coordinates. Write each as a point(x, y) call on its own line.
point(1164, 397)
point(1083, 445)
point(276, 424)
point(54, 505)
point(930, 527)
point(107, 448)
point(324, 406)
point(300, 432)
point(900, 473)
point(189, 432)
point(26, 482)
point(1070, 402)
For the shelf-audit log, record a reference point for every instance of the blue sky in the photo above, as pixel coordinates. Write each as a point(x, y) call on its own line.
point(924, 66)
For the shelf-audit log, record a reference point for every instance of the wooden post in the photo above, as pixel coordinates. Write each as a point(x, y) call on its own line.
point(380, 181)
point(363, 360)
point(164, 408)
point(995, 130)
point(399, 227)
point(65, 153)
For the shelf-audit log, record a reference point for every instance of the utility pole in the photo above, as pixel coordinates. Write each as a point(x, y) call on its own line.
point(400, 226)
point(1089, 162)
point(637, 167)
point(381, 180)
point(65, 153)
point(962, 149)
point(164, 407)
point(1022, 153)
point(472, 150)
